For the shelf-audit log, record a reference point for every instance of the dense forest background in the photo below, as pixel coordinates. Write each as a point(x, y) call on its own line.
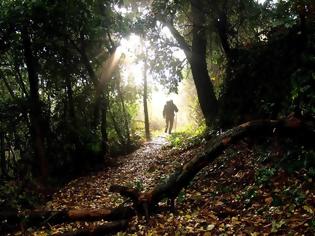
point(68, 102)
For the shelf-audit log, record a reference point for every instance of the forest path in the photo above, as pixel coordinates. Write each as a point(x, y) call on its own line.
point(141, 169)
point(240, 193)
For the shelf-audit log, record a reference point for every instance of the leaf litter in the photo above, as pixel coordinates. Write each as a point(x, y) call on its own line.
point(235, 195)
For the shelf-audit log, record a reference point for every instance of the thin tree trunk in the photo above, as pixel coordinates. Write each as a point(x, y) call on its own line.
point(104, 128)
point(3, 163)
point(93, 77)
point(19, 80)
point(116, 127)
point(69, 90)
point(14, 97)
point(125, 114)
point(37, 131)
point(145, 96)
point(8, 86)
point(70, 101)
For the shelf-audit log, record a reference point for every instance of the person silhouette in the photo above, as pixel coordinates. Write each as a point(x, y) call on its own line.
point(168, 114)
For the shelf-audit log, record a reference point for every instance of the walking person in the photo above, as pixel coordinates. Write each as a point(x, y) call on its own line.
point(169, 113)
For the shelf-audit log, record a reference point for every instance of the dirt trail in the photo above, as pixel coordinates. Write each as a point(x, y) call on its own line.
point(239, 193)
point(137, 169)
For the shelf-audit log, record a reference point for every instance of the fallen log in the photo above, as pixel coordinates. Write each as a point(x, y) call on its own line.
point(29, 218)
point(146, 202)
point(104, 229)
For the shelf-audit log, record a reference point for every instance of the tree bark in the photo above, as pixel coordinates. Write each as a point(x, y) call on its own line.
point(8, 86)
point(104, 119)
point(19, 80)
point(70, 95)
point(124, 110)
point(3, 164)
point(205, 91)
point(121, 137)
point(145, 97)
point(196, 55)
point(37, 130)
point(30, 218)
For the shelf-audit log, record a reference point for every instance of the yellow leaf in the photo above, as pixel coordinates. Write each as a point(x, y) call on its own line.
point(308, 209)
point(210, 227)
point(219, 203)
point(235, 220)
point(188, 216)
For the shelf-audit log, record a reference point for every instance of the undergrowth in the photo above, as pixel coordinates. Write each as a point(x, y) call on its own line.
point(189, 137)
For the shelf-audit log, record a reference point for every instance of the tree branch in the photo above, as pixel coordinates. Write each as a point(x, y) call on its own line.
point(179, 38)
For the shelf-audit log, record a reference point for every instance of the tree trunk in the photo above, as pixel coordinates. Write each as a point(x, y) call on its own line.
point(196, 56)
point(120, 136)
point(145, 97)
point(4, 172)
point(104, 127)
point(8, 86)
point(97, 99)
point(205, 91)
point(124, 111)
point(70, 101)
point(71, 107)
point(19, 80)
point(37, 131)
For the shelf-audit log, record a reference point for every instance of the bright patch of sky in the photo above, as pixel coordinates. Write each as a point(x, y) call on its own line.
point(177, 52)
point(263, 1)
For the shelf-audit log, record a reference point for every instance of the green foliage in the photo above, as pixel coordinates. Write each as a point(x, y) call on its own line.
point(138, 185)
point(296, 194)
point(250, 194)
point(276, 225)
point(264, 175)
point(298, 157)
point(189, 137)
point(312, 224)
point(70, 41)
point(303, 94)
point(181, 197)
point(224, 189)
point(13, 195)
point(271, 74)
point(311, 172)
